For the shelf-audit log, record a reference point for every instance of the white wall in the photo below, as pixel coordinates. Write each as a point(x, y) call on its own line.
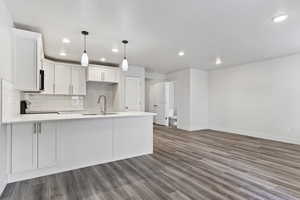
point(199, 99)
point(191, 98)
point(181, 81)
point(5, 73)
point(260, 99)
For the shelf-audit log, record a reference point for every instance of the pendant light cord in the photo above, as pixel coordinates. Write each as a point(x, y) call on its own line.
point(84, 43)
point(125, 51)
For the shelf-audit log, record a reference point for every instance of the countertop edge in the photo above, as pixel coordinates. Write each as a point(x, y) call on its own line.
point(61, 117)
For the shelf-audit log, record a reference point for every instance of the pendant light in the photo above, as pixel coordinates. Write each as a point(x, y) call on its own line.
point(124, 65)
point(84, 57)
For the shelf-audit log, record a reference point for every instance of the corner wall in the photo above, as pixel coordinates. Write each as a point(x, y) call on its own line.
point(259, 99)
point(191, 98)
point(5, 73)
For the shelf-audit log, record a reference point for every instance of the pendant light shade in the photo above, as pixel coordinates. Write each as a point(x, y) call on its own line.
point(84, 57)
point(124, 64)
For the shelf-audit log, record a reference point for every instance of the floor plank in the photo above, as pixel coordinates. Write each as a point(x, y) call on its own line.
point(186, 166)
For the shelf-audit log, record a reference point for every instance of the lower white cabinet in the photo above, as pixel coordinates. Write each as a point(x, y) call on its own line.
point(33, 146)
point(23, 149)
point(48, 147)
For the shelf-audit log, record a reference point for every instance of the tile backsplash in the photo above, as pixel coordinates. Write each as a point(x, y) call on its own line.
point(95, 89)
point(46, 103)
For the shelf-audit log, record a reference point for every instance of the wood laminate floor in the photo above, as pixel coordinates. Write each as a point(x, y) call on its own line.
point(205, 165)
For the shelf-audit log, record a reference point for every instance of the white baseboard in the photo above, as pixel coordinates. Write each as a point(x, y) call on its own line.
point(2, 186)
point(62, 168)
point(257, 135)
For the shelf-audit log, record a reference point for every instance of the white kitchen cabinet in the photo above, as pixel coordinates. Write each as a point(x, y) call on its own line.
point(110, 75)
point(27, 55)
point(23, 149)
point(47, 144)
point(63, 78)
point(103, 74)
point(34, 146)
point(78, 84)
point(49, 147)
point(49, 70)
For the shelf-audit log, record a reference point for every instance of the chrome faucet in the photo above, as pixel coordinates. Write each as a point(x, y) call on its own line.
point(105, 104)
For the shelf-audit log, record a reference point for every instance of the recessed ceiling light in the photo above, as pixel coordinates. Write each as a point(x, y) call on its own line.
point(63, 53)
point(218, 61)
point(66, 40)
point(280, 18)
point(103, 59)
point(181, 53)
point(115, 50)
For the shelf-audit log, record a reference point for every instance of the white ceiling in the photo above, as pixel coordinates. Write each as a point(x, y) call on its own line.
point(239, 31)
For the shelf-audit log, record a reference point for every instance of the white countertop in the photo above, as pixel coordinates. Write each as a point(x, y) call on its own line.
point(53, 117)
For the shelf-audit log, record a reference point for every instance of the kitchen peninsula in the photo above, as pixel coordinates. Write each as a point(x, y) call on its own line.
point(43, 144)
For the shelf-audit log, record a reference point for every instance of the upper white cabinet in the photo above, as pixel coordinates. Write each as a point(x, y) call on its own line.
point(78, 86)
point(49, 70)
point(28, 54)
point(63, 79)
point(47, 144)
point(103, 74)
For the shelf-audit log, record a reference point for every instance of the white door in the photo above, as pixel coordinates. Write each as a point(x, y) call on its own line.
point(23, 149)
point(49, 69)
point(159, 103)
point(47, 144)
point(132, 94)
point(78, 81)
point(62, 79)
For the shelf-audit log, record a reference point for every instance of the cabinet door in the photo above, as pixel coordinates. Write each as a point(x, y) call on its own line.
point(62, 79)
point(49, 69)
point(78, 81)
point(109, 75)
point(23, 149)
point(25, 59)
point(133, 94)
point(47, 144)
point(94, 74)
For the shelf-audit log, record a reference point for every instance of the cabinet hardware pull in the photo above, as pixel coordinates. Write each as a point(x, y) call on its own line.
point(34, 128)
point(40, 127)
